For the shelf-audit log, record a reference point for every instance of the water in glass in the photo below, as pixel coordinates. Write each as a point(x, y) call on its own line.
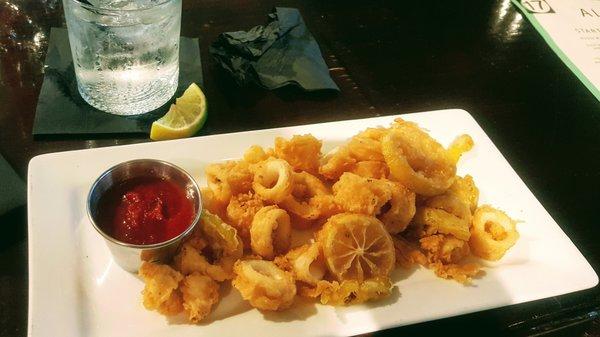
point(125, 52)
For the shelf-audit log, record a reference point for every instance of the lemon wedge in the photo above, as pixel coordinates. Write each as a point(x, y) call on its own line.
point(184, 118)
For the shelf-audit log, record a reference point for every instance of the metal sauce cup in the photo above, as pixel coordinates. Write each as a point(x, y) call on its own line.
point(130, 256)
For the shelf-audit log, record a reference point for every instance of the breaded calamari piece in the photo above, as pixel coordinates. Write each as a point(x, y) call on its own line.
point(200, 294)
point(160, 281)
point(240, 213)
point(357, 194)
point(302, 152)
point(189, 261)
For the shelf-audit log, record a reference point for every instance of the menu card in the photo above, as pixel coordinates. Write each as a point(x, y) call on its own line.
point(572, 29)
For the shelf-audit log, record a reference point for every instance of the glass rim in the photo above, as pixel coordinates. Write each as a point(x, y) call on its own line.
point(90, 6)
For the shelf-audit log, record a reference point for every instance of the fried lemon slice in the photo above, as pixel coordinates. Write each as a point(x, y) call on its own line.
point(356, 247)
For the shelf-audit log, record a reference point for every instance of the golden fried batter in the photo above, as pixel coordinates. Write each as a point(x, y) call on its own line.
point(444, 248)
point(189, 261)
point(339, 162)
point(349, 292)
point(326, 205)
point(264, 285)
point(466, 191)
point(431, 220)
point(371, 169)
point(240, 212)
point(211, 202)
point(363, 149)
point(270, 233)
point(401, 208)
point(200, 294)
point(408, 254)
point(255, 154)
point(161, 280)
point(460, 273)
point(373, 133)
point(361, 195)
point(173, 305)
point(306, 262)
point(273, 180)
point(301, 152)
point(309, 199)
point(416, 160)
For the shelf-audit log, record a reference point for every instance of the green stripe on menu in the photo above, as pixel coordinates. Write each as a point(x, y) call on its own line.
point(531, 17)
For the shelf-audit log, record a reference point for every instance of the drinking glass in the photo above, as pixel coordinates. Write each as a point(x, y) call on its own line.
point(125, 52)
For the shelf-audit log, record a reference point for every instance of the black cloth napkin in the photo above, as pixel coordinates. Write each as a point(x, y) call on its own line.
point(279, 53)
point(12, 188)
point(62, 111)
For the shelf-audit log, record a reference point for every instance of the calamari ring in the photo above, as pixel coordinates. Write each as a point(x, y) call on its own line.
point(264, 285)
point(273, 180)
point(270, 233)
point(401, 209)
point(307, 263)
point(492, 234)
point(416, 160)
point(305, 188)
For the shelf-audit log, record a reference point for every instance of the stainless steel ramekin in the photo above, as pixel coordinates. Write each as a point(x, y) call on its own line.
point(130, 256)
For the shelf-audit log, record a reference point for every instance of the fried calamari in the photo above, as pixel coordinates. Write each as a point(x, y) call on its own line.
point(302, 152)
point(264, 284)
point(416, 160)
point(286, 220)
point(361, 195)
point(493, 233)
point(270, 232)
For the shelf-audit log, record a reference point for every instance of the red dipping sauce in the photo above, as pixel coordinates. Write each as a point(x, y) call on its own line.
point(145, 210)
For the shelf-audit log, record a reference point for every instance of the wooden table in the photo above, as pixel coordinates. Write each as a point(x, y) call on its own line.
point(388, 57)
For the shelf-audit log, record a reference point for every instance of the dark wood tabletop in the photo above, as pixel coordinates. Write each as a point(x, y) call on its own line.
point(388, 57)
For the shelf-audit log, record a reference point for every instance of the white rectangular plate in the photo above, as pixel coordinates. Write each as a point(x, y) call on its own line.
point(75, 289)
